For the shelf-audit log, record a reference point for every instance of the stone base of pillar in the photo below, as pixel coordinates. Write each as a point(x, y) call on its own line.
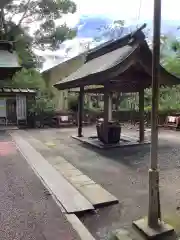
point(152, 227)
point(80, 135)
point(163, 230)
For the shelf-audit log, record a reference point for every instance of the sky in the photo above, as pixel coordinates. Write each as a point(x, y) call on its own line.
point(128, 10)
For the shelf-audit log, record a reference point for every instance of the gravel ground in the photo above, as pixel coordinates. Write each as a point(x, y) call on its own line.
point(124, 173)
point(27, 210)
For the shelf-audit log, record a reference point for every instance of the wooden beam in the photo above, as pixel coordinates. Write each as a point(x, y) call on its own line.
point(114, 88)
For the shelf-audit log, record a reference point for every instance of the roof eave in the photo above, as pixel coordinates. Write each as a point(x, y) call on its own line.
point(99, 78)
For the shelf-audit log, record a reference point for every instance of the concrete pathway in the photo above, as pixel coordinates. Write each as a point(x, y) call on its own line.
point(26, 207)
point(71, 200)
point(123, 172)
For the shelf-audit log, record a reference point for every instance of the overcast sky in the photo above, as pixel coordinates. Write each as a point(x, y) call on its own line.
point(125, 9)
point(128, 10)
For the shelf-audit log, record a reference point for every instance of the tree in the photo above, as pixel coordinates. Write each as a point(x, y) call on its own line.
point(73, 103)
point(164, 42)
point(170, 59)
point(32, 79)
point(28, 78)
point(117, 99)
point(42, 105)
point(172, 64)
point(20, 17)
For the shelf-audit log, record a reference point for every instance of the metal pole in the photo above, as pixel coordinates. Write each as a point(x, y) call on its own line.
point(154, 201)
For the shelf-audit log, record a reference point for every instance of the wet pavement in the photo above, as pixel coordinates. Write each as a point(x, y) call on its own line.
point(27, 210)
point(123, 172)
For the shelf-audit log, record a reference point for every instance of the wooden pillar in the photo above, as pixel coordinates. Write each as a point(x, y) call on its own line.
point(80, 111)
point(154, 211)
point(141, 116)
point(110, 106)
point(106, 112)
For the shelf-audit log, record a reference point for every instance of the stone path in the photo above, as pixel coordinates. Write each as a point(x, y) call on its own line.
point(71, 200)
point(123, 172)
point(27, 209)
point(92, 191)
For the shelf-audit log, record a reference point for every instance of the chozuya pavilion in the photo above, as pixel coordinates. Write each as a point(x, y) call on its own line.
point(124, 65)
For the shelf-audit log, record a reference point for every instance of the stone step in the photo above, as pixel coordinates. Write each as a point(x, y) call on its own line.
point(96, 194)
point(79, 227)
point(70, 198)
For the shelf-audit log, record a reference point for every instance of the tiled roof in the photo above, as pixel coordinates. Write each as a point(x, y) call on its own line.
point(125, 63)
point(17, 90)
point(99, 64)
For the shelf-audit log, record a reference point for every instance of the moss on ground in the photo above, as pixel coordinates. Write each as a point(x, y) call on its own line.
point(173, 220)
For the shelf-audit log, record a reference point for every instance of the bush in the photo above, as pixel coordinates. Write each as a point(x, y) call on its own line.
point(42, 105)
point(73, 103)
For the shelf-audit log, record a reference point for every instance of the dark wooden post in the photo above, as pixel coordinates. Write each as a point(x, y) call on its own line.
point(106, 112)
point(110, 106)
point(80, 111)
point(141, 116)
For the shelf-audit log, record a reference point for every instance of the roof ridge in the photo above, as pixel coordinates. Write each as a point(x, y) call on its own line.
point(113, 45)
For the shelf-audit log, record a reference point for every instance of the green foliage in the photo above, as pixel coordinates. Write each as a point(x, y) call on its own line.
point(43, 104)
point(73, 103)
point(44, 13)
point(169, 96)
point(23, 45)
point(175, 45)
point(172, 64)
point(28, 78)
point(54, 37)
point(32, 79)
point(20, 17)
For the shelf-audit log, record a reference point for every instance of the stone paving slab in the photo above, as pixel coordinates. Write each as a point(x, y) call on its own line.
point(92, 191)
point(28, 211)
point(58, 160)
point(81, 180)
point(95, 193)
point(41, 146)
point(67, 195)
point(68, 173)
point(123, 143)
point(79, 227)
point(123, 172)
